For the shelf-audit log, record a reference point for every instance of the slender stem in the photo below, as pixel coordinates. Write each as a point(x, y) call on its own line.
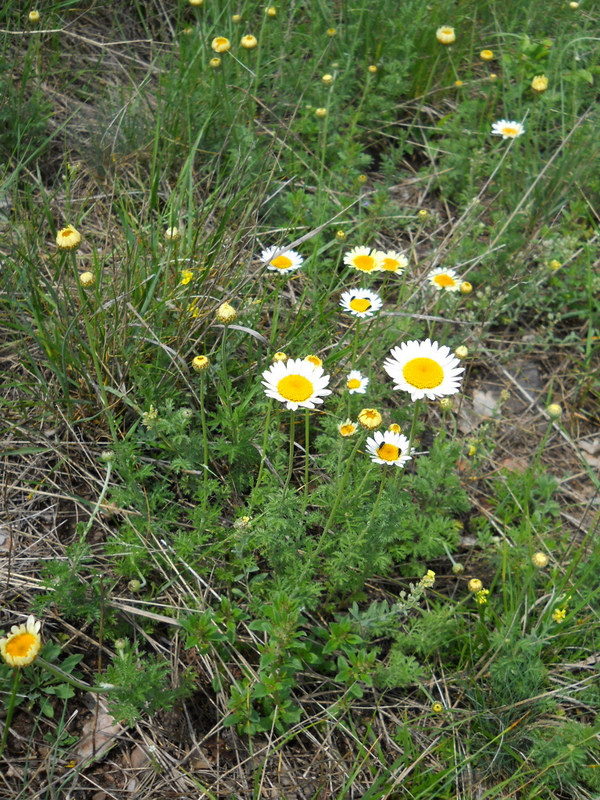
point(306, 448)
point(355, 345)
point(64, 676)
point(275, 314)
point(10, 709)
point(204, 442)
point(98, 502)
point(375, 504)
point(291, 459)
point(339, 495)
point(413, 427)
point(265, 440)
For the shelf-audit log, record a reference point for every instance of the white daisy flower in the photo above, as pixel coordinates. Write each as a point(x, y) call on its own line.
point(361, 302)
point(364, 259)
point(347, 428)
point(297, 383)
point(388, 448)
point(394, 262)
point(279, 260)
point(444, 279)
point(507, 129)
point(424, 369)
point(356, 383)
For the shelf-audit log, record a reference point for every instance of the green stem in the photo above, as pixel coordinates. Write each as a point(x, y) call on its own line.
point(291, 458)
point(64, 676)
point(375, 504)
point(98, 502)
point(339, 496)
point(413, 427)
point(204, 442)
point(275, 315)
point(306, 442)
point(10, 709)
point(265, 440)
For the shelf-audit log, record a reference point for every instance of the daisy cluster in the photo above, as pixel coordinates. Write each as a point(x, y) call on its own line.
point(422, 369)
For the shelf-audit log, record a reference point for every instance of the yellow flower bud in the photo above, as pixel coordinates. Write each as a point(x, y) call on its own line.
point(200, 363)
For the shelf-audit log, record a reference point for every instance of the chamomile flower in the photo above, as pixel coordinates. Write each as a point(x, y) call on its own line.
point(388, 448)
point(507, 129)
point(446, 279)
point(356, 383)
point(347, 428)
point(394, 262)
point(364, 259)
point(282, 261)
point(361, 302)
point(22, 645)
point(424, 369)
point(297, 383)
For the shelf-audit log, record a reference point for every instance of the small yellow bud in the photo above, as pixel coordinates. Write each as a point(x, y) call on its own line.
point(200, 363)
point(370, 419)
point(271, 11)
point(486, 55)
point(196, 3)
point(315, 360)
point(573, 5)
point(68, 238)
point(173, 234)
point(372, 69)
point(320, 112)
point(279, 356)
point(327, 79)
point(493, 77)
point(394, 428)
point(423, 214)
point(330, 31)
point(249, 42)
point(461, 352)
point(34, 16)
point(215, 62)
point(446, 403)
point(236, 18)
point(445, 35)
point(466, 287)
point(220, 44)
point(226, 314)
point(554, 265)
point(87, 279)
point(539, 83)
point(472, 451)
point(362, 178)
point(475, 585)
point(340, 236)
point(457, 568)
point(539, 560)
point(458, 84)
point(554, 411)
point(437, 708)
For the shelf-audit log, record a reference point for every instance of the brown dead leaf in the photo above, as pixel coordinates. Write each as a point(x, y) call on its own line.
point(97, 736)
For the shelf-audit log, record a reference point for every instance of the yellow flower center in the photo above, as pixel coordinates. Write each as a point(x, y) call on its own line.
point(347, 430)
point(364, 263)
point(353, 384)
point(281, 262)
point(66, 232)
point(444, 280)
point(361, 304)
point(423, 373)
point(388, 452)
point(295, 388)
point(390, 264)
point(20, 645)
point(509, 131)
